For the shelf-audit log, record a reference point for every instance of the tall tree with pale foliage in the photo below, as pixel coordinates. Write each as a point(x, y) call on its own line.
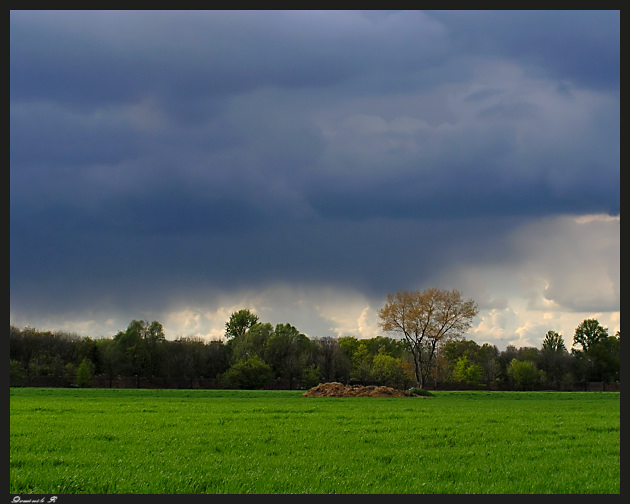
point(426, 319)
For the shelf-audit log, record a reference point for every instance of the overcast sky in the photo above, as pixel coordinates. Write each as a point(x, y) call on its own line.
point(179, 166)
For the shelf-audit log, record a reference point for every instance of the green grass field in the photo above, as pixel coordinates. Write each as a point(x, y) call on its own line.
point(102, 441)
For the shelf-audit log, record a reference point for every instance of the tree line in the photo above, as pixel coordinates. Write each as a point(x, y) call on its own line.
point(430, 352)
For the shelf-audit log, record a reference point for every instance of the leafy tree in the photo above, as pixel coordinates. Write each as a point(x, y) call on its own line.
point(487, 358)
point(467, 372)
point(111, 358)
point(85, 373)
point(181, 365)
point(196, 347)
point(441, 370)
point(70, 373)
point(390, 346)
point(217, 359)
point(332, 362)
point(588, 333)
point(348, 345)
point(361, 365)
point(153, 340)
point(604, 358)
point(86, 348)
point(142, 345)
point(598, 360)
point(503, 360)
point(492, 371)
point(240, 322)
point(531, 354)
point(17, 373)
point(524, 374)
point(128, 343)
point(481, 359)
point(310, 376)
point(555, 360)
point(287, 352)
point(251, 342)
point(252, 373)
point(426, 319)
point(388, 370)
point(553, 342)
point(453, 350)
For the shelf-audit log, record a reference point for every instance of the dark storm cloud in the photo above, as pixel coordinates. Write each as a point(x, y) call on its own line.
point(158, 154)
point(105, 57)
point(582, 46)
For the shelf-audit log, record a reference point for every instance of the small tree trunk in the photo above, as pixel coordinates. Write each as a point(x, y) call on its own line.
point(419, 379)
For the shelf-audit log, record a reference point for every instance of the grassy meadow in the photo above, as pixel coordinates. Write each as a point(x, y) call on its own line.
point(115, 441)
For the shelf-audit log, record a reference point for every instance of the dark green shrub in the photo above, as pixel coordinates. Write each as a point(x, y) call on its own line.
point(421, 392)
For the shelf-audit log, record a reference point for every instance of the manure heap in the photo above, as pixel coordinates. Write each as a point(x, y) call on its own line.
point(336, 389)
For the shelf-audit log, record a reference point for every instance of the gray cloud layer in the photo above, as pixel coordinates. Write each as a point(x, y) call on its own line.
point(157, 155)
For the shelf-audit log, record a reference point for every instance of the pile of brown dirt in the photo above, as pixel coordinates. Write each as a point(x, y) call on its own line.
point(336, 389)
